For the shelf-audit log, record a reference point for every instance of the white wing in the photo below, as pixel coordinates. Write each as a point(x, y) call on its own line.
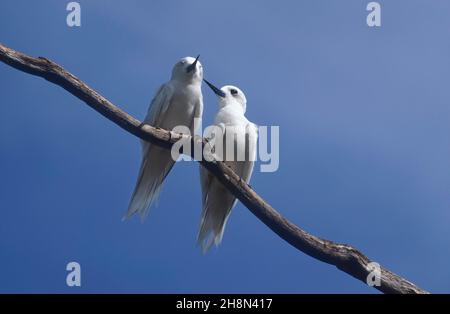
point(156, 161)
point(159, 105)
point(217, 201)
point(157, 109)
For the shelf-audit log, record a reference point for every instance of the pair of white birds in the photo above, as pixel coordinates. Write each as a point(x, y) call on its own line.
point(179, 102)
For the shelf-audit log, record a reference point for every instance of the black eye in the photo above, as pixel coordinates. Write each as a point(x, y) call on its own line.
point(233, 91)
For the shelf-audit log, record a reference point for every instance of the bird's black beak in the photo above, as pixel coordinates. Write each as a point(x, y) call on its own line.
point(217, 91)
point(193, 66)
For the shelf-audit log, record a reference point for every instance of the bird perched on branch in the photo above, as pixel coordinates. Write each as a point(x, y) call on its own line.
point(177, 103)
point(237, 142)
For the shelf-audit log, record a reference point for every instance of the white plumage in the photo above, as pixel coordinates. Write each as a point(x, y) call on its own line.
point(176, 103)
point(217, 201)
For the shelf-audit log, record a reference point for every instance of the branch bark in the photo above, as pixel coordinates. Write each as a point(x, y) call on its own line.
point(343, 256)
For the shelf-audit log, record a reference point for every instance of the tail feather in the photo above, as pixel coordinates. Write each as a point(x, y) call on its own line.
point(216, 210)
point(156, 164)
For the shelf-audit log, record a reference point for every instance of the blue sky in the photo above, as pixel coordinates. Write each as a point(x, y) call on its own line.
point(364, 154)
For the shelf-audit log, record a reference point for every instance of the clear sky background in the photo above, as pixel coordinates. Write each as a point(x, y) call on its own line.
point(364, 120)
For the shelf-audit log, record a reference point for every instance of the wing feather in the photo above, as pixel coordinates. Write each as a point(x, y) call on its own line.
point(217, 201)
point(156, 161)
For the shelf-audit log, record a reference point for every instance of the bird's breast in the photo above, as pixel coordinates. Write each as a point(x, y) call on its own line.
point(182, 108)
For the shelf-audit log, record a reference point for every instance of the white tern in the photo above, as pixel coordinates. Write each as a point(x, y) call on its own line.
point(217, 201)
point(176, 103)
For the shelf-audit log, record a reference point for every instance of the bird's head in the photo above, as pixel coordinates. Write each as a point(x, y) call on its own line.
point(188, 70)
point(229, 95)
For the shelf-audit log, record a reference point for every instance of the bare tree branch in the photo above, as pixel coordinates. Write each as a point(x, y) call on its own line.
point(343, 256)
